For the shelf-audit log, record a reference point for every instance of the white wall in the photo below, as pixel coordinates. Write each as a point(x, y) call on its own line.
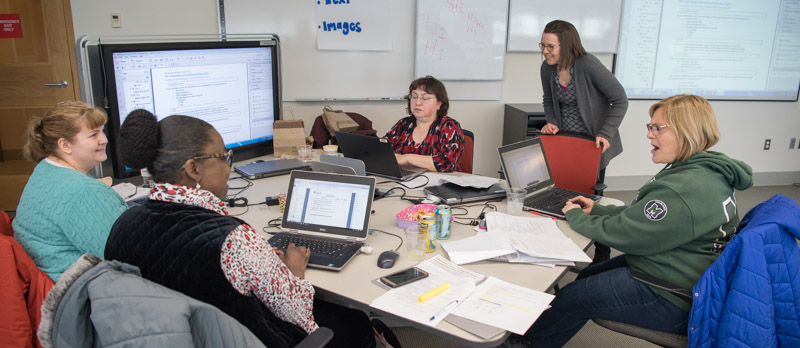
point(744, 125)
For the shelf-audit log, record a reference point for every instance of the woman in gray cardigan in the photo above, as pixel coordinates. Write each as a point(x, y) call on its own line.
point(582, 96)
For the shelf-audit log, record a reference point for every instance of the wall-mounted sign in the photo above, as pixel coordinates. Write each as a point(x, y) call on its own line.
point(10, 27)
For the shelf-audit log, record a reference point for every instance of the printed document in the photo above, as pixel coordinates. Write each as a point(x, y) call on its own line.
point(504, 305)
point(402, 301)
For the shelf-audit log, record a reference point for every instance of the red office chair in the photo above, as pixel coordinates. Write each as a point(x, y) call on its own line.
point(469, 147)
point(574, 161)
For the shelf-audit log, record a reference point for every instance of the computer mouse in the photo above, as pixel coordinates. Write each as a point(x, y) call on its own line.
point(257, 161)
point(387, 259)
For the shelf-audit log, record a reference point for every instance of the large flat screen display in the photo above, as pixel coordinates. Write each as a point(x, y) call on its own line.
point(234, 86)
point(723, 50)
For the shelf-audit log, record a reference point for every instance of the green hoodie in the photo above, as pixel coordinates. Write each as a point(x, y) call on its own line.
point(676, 221)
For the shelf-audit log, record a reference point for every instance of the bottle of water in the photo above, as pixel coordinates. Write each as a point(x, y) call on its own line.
point(147, 179)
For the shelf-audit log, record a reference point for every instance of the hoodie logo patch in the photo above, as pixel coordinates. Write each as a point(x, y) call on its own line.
point(655, 210)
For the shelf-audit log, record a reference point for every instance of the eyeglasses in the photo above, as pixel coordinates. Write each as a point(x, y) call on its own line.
point(424, 98)
point(228, 157)
point(655, 128)
point(549, 47)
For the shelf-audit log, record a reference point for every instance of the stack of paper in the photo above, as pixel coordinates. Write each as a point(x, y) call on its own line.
point(517, 239)
point(502, 305)
point(402, 301)
point(486, 310)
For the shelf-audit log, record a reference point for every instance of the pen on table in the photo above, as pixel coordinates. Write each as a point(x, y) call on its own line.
point(444, 310)
point(430, 294)
point(542, 215)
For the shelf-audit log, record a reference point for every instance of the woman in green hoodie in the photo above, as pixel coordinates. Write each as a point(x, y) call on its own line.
point(673, 230)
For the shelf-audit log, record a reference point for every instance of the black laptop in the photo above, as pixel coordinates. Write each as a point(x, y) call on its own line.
point(327, 213)
point(451, 193)
point(525, 166)
point(377, 155)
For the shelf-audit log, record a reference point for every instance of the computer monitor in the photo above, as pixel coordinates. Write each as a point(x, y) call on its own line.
point(233, 85)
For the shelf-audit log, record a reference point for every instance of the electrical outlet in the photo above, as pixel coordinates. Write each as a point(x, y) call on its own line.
point(116, 20)
point(767, 143)
point(792, 141)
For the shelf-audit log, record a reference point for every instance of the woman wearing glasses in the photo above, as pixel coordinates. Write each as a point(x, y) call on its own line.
point(581, 96)
point(673, 230)
point(183, 238)
point(64, 212)
point(428, 138)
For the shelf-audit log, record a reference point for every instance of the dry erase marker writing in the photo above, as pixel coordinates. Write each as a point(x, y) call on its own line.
point(444, 310)
point(430, 294)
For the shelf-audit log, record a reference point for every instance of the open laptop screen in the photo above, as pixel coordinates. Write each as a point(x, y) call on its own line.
point(525, 165)
point(329, 204)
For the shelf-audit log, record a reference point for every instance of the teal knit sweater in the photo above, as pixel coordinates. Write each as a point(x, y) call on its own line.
point(64, 214)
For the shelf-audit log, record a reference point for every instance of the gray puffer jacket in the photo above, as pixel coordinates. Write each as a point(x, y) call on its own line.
point(100, 303)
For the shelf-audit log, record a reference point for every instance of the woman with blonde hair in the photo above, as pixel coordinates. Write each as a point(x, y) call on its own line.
point(64, 212)
point(673, 230)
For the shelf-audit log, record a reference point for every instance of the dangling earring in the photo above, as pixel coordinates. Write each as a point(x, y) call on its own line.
point(198, 186)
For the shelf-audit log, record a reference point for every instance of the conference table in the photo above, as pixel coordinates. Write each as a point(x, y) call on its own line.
point(353, 285)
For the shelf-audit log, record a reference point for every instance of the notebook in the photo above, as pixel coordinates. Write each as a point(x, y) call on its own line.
point(328, 213)
point(451, 193)
point(377, 155)
point(263, 169)
point(525, 165)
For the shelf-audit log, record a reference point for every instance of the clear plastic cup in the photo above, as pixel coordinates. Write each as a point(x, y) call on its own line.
point(515, 197)
point(415, 248)
point(304, 152)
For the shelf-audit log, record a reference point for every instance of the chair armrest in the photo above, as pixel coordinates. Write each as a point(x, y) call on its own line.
point(682, 293)
point(317, 339)
point(599, 187)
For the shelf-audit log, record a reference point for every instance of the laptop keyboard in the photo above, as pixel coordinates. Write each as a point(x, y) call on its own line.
point(318, 247)
point(555, 197)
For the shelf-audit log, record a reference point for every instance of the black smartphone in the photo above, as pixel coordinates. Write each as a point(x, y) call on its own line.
point(404, 277)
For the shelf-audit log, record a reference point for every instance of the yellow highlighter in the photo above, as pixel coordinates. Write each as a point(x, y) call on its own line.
point(430, 294)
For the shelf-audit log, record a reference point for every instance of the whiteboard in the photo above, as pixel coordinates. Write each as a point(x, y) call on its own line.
point(597, 22)
point(312, 74)
point(461, 39)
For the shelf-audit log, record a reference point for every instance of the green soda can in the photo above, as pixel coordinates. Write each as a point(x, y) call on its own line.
point(443, 215)
point(427, 225)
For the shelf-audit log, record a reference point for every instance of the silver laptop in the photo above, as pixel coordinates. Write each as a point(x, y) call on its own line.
point(263, 169)
point(327, 213)
point(525, 165)
point(377, 155)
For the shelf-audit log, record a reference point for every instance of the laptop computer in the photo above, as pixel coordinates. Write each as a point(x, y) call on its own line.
point(525, 165)
point(377, 155)
point(327, 213)
point(263, 169)
point(451, 193)
point(324, 167)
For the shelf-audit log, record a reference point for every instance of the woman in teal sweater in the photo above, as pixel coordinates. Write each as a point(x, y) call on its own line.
point(673, 230)
point(64, 212)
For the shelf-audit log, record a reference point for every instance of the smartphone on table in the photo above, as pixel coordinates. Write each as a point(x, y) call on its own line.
point(404, 277)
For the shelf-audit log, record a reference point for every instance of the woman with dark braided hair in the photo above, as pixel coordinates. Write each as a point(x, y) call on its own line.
point(64, 212)
point(183, 238)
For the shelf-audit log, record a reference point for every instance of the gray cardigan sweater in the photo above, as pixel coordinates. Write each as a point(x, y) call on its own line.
point(602, 101)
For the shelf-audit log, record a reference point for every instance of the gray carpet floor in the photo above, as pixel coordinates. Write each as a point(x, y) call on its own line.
point(592, 335)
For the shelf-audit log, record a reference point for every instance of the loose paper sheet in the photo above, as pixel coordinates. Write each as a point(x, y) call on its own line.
point(504, 305)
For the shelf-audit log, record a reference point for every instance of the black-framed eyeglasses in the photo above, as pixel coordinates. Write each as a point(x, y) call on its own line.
point(228, 157)
point(543, 46)
point(655, 128)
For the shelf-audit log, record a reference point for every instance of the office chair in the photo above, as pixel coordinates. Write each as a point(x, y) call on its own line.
point(574, 161)
point(469, 149)
point(749, 296)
